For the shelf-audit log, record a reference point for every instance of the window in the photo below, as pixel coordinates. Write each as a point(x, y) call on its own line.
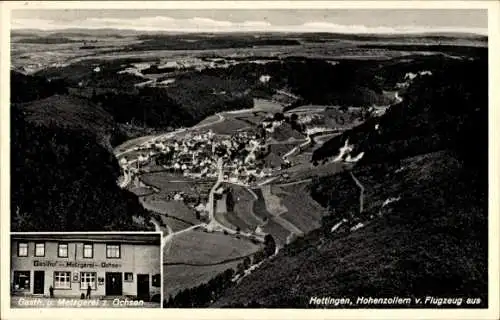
point(129, 277)
point(86, 279)
point(112, 251)
point(88, 250)
point(39, 249)
point(62, 250)
point(62, 280)
point(21, 280)
point(156, 280)
point(22, 249)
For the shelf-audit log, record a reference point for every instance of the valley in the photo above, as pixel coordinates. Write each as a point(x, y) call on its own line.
point(249, 156)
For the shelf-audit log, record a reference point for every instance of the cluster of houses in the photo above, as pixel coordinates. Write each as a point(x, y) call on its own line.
point(195, 155)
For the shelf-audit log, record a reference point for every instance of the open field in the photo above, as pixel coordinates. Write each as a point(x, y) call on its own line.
point(243, 207)
point(307, 170)
point(172, 208)
point(141, 191)
point(222, 217)
point(175, 224)
point(208, 120)
point(259, 206)
point(179, 277)
point(267, 105)
point(131, 143)
point(278, 232)
point(228, 126)
point(274, 204)
point(302, 158)
point(303, 212)
point(234, 219)
point(208, 248)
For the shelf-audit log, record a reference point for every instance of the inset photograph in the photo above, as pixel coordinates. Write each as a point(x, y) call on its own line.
point(72, 270)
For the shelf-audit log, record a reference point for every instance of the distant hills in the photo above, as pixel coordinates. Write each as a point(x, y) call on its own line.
point(155, 40)
point(126, 32)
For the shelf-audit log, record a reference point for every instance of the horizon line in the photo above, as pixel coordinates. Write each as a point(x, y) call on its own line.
point(443, 32)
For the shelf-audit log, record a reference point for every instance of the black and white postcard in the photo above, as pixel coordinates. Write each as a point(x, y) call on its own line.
point(333, 159)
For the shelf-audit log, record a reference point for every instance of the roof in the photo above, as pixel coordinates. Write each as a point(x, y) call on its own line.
point(123, 237)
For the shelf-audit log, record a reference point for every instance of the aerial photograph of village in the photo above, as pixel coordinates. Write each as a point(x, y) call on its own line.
point(334, 153)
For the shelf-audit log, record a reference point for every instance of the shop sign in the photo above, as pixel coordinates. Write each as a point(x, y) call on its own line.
point(75, 264)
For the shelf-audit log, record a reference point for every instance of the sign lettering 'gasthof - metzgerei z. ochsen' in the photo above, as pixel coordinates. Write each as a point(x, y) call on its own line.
point(74, 264)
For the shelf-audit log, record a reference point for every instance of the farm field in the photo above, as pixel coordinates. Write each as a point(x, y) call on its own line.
point(173, 208)
point(303, 212)
point(130, 143)
point(251, 118)
point(277, 231)
point(302, 158)
point(222, 217)
point(259, 206)
point(274, 204)
point(179, 277)
point(243, 207)
point(198, 247)
point(307, 170)
point(228, 127)
point(175, 224)
point(208, 120)
point(267, 105)
point(141, 191)
point(237, 221)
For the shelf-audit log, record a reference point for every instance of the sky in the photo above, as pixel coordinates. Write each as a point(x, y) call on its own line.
point(277, 20)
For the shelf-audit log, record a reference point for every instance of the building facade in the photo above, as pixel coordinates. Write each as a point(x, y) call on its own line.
point(112, 265)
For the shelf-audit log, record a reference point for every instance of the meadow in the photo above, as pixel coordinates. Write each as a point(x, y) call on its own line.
point(180, 277)
point(202, 248)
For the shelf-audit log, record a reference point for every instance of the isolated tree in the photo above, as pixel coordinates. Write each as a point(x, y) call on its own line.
point(278, 116)
point(247, 263)
point(269, 245)
point(240, 269)
point(230, 201)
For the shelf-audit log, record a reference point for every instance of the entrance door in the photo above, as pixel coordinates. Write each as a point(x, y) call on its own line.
point(113, 283)
point(39, 282)
point(143, 286)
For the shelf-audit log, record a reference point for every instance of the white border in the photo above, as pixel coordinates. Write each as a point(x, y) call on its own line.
point(494, 68)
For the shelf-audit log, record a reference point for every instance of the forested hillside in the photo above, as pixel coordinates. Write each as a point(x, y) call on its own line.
point(436, 113)
point(62, 175)
point(423, 229)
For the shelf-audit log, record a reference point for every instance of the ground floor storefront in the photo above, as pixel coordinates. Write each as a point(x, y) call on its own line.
point(89, 284)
